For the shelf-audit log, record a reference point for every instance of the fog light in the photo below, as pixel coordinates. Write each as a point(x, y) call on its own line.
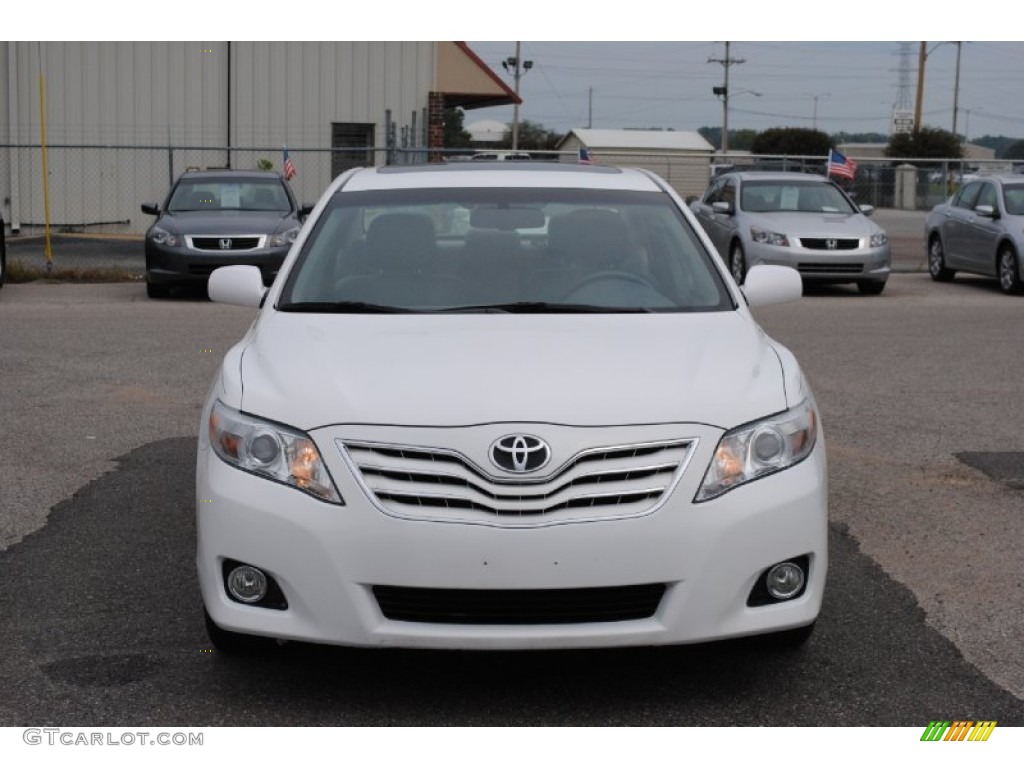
point(785, 580)
point(247, 584)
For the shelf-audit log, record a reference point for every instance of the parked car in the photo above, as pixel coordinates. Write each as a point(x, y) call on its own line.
point(215, 218)
point(798, 220)
point(508, 406)
point(980, 229)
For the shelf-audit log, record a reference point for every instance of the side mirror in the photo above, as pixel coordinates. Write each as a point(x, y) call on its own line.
point(722, 207)
point(241, 285)
point(153, 209)
point(771, 284)
point(306, 209)
point(986, 211)
point(867, 210)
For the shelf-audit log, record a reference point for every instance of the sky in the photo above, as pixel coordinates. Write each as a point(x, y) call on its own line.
point(854, 86)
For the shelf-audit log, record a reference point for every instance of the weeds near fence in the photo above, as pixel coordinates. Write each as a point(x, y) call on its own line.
point(17, 272)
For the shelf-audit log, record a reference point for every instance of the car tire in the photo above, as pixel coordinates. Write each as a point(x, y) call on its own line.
point(789, 639)
point(737, 263)
point(871, 287)
point(157, 290)
point(1008, 270)
point(937, 261)
point(235, 643)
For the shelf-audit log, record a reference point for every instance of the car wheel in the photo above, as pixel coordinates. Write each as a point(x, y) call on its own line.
point(871, 287)
point(157, 290)
point(1009, 272)
point(737, 263)
point(789, 639)
point(937, 261)
point(234, 643)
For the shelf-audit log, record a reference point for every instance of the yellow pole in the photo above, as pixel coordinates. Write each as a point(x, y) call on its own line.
point(46, 180)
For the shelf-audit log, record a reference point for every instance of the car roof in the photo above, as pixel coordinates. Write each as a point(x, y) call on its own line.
point(231, 173)
point(776, 176)
point(498, 174)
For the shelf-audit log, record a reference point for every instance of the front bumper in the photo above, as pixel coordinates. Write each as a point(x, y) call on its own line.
point(328, 558)
point(826, 265)
point(187, 265)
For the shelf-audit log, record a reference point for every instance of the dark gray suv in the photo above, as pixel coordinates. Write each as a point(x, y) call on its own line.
point(217, 218)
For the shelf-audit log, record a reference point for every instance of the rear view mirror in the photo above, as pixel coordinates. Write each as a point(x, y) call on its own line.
point(506, 219)
point(771, 284)
point(153, 209)
point(722, 207)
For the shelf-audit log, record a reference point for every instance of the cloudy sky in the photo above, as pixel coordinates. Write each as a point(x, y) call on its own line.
point(668, 84)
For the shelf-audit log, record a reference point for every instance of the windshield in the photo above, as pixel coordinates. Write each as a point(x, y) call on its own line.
point(794, 197)
point(527, 250)
point(238, 195)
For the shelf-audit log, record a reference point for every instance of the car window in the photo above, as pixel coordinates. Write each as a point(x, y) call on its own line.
point(442, 249)
point(987, 196)
point(967, 196)
point(714, 192)
point(801, 196)
point(1013, 197)
point(249, 195)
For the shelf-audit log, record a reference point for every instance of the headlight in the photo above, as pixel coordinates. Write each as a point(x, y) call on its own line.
point(284, 238)
point(163, 237)
point(768, 238)
point(755, 450)
point(879, 239)
point(270, 450)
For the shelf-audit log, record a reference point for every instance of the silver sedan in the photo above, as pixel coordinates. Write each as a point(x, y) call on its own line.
point(797, 220)
point(980, 229)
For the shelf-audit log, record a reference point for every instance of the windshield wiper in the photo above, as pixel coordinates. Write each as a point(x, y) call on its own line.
point(546, 307)
point(345, 307)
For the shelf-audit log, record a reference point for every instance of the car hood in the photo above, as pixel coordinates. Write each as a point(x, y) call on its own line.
point(226, 222)
point(815, 224)
point(309, 370)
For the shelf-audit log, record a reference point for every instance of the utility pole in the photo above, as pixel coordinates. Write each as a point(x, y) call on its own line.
point(519, 68)
point(922, 56)
point(723, 91)
point(956, 87)
point(590, 107)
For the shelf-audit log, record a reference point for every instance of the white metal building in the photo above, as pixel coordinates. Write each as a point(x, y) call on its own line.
point(682, 158)
point(124, 118)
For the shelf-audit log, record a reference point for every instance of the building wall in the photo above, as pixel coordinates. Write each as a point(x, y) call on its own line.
point(151, 95)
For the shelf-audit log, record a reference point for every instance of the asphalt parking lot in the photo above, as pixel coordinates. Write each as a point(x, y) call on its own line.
point(919, 392)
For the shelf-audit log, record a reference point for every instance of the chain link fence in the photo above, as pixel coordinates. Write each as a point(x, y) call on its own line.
point(99, 188)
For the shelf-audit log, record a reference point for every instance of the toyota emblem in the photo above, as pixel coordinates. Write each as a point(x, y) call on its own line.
point(224, 243)
point(519, 453)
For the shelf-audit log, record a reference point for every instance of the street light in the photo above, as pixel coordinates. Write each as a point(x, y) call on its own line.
point(722, 91)
point(518, 67)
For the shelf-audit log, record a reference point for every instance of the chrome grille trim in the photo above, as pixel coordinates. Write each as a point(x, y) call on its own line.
point(840, 243)
point(210, 243)
point(420, 483)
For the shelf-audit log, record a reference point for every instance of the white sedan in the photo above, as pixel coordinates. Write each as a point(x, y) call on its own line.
point(508, 406)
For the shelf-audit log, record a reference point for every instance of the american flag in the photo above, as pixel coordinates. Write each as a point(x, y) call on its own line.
point(840, 165)
point(585, 157)
point(289, 167)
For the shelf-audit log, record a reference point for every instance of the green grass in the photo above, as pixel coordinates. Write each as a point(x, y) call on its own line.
point(23, 273)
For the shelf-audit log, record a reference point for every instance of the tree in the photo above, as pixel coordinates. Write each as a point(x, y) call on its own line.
point(791, 141)
point(926, 142)
point(454, 133)
point(1014, 152)
point(533, 136)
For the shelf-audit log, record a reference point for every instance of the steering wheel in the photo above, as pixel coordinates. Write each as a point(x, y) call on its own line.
point(608, 276)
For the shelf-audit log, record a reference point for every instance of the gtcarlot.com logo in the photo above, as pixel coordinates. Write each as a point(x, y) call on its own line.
point(958, 730)
point(70, 737)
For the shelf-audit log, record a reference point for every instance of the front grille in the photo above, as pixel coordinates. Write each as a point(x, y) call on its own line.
point(519, 606)
point(823, 243)
point(831, 268)
point(436, 483)
point(232, 243)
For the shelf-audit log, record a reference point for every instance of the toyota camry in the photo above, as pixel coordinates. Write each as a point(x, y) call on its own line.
point(508, 406)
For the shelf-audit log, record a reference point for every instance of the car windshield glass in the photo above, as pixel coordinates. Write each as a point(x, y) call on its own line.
point(794, 197)
point(509, 250)
point(238, 195)
point(1013, 197)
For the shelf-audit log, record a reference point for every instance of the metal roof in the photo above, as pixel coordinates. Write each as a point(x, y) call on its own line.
point(606, 139)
